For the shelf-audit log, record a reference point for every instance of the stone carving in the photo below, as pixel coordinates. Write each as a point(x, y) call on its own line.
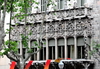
point(15, 33)
point(58, 15)
point(80, 11)
point(33, 29)
point(30, 19)
point(51, 29)
point(70, 25)
point(58, 23)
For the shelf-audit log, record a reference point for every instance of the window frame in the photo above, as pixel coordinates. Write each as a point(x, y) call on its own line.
point(82, 52)
point(62, 51)
point(60, 4)
point(43, 5)
point(80, 2)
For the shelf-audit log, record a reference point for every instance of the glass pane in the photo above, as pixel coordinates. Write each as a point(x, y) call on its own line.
point(50, 52)
point(68, 50)
point(78, 3)
point(24, 51)
point(82, 2)
point(61, 4)
point(58, 4)
point(79, 52)
point(44, 53)
point(63, 52)
point(53, 53)
point(83, 53)
point(59, 51)
point(41, 54)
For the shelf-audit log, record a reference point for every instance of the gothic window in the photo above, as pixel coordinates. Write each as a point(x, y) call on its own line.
point(80, 48)
point(34, 49)
point(61, 49)
point(43, 51)
point(80, 2)
point(70, 47)
point(51, 49)
point(60, 4)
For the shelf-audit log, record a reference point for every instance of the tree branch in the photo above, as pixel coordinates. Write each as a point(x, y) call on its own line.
point(15, 55)
point(11, 57)
point(30, 54)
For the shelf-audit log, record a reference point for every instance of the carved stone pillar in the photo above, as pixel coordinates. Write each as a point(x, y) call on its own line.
point(56, 51)
point(47, 48)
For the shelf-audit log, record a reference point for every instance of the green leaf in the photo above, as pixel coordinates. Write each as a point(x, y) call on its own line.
point(39, 46)
point(37, 3)
point(48, 5)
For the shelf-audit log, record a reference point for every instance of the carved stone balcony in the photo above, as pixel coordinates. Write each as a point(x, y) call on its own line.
point(58, 15)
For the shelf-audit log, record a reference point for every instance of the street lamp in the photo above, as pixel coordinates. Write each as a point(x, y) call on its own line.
point(61, 65)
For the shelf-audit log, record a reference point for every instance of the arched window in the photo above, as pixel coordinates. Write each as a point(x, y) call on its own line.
point(43, 51)
point(70, 48)
point(51, 48)
point(34, 49)
point(80, 48)
point(61, 50)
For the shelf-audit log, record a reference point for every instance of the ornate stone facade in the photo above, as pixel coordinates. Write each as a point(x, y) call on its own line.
point(68, 22)
point(64, 26)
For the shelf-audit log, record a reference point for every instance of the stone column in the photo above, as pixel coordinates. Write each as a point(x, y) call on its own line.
point(75, 41)
point(38, 49)
point(65, 47)
point(56, 51)
point(47, 48)
point(75, 47)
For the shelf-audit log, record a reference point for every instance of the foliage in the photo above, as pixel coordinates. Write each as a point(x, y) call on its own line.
point(19, 9)
point(95, 52)
point(13, 47)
